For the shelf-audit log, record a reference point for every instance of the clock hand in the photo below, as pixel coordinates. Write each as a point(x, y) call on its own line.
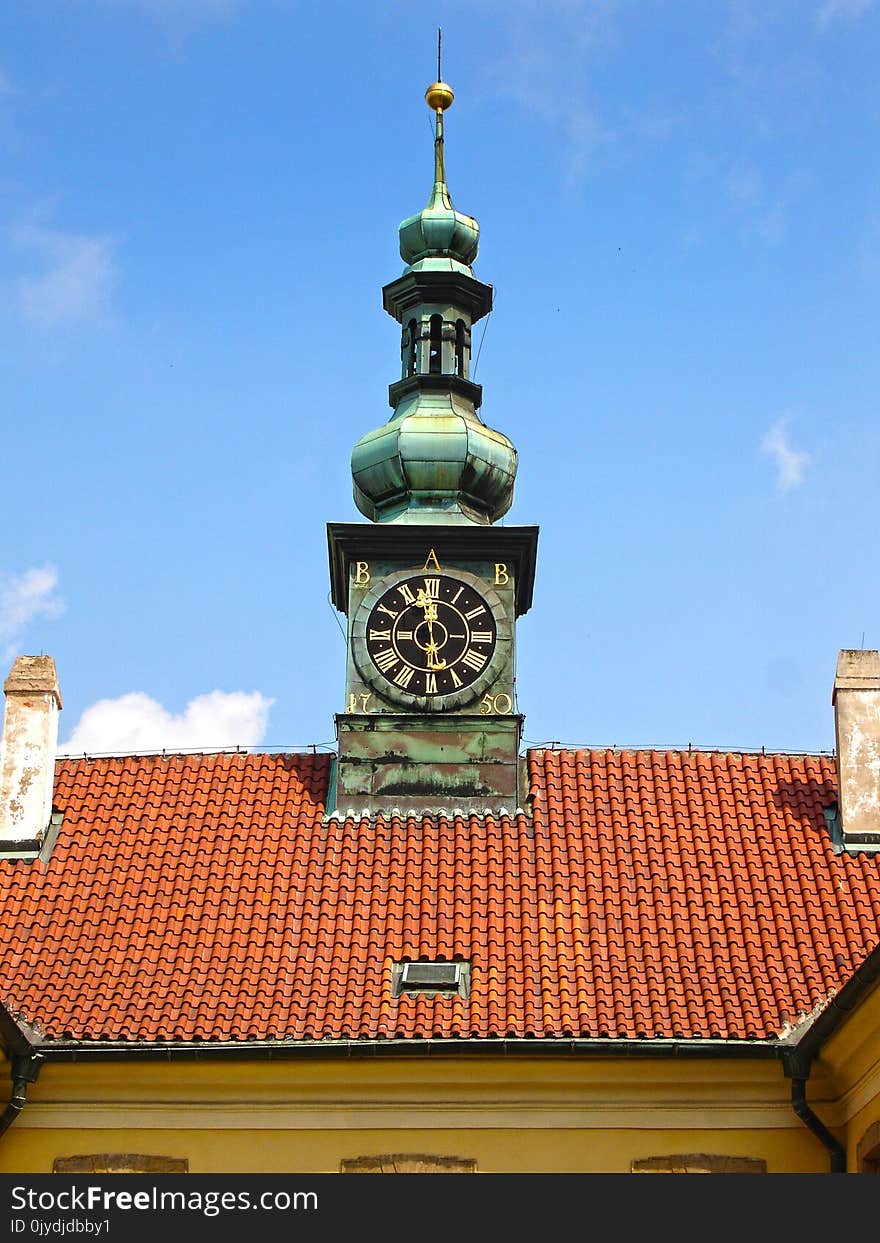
point(424, 601)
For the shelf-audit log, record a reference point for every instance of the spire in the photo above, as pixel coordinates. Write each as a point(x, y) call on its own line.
point(435, 460)
point(439, 96)
point(439, 231)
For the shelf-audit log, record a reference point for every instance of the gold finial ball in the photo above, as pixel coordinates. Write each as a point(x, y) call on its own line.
point(439, 96)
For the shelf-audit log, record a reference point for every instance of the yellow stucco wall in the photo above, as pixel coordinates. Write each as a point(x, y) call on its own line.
point(850, 1061)
point(533, 1151)
point(509, 1114)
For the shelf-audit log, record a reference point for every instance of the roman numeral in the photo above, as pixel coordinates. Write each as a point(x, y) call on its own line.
point(457, 594)
point(474, 660)
point(408, 596)
point(475, 612)
point(384, 634)
point(403, 676)
point(482, 636)
point(387, 611)
point(430, 683)
point(386, 660)
point(432, 588)
point(456, 680)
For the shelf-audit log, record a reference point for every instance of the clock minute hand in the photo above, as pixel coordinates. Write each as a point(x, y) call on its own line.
point(424, 601)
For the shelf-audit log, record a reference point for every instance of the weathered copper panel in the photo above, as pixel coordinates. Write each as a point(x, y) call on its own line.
point(424, 763)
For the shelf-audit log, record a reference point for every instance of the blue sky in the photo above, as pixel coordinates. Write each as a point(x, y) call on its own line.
point(680, 214)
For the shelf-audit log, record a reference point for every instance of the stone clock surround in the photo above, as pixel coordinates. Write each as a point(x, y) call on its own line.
point(494, 650)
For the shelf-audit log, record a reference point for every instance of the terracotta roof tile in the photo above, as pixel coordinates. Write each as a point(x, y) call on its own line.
point(652, 894)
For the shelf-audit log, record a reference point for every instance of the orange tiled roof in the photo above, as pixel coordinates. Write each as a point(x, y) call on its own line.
point(652, 894)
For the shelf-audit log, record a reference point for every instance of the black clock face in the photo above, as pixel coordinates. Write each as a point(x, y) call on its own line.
point(430, 634)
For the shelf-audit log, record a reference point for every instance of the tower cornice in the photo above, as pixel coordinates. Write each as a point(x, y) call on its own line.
point(435, 384)
point(416, 287)
point(351, 541)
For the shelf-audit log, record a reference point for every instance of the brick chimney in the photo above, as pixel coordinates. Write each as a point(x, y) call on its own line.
point(27, 753)
point(856, 700)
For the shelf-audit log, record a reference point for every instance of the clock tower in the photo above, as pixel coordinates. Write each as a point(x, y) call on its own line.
point(430, 587)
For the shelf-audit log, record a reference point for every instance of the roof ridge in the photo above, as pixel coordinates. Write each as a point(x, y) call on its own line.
point(307, 749)
point(615, 749)
point(329, 749)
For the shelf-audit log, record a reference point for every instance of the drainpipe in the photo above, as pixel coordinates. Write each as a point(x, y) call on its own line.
point(25, 1069)
point(798, 1069)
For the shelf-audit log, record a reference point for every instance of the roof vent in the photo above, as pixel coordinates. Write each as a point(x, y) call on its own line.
point(431, 977)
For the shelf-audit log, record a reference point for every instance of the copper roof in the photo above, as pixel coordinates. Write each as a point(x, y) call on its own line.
point(651, 894)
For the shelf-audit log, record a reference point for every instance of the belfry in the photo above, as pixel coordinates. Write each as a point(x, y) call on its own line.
point(431, 589)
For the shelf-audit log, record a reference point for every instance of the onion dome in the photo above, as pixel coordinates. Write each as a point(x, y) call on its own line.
point(434, 461)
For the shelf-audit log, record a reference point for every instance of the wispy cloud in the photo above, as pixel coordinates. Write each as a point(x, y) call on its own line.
point(546, 52)
point(136, 723)
point(165, 9)
point(869, 247)
point(8, 130)
point(763, 219)
point(771, 226)
point(764, 92)
point(791, 463)
point(24, 598)
point(543, 62)
point(844, 10)
point(76, 277)
point(176, 18)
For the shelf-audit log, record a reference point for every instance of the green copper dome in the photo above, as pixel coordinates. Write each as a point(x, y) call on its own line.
point(435, 460)
point(439, 232)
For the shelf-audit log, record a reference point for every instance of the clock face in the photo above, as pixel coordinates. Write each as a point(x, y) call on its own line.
point(430, 636)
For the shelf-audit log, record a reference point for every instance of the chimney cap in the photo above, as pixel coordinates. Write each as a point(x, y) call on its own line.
point(33, 675)
point(857, 670)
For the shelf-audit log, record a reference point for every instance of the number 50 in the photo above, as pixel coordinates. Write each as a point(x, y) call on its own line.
point(496, 705)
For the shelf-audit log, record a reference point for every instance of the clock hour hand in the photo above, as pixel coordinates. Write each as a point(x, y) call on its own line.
point(431, 651)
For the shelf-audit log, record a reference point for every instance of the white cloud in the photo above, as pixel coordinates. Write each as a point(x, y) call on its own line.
point(546, 51)
point(176, 15)
point(791, 463)
point(869, 247)
point(135, 723)
point(24, 598)
point(163, 8)
point(544, 56)
point(76, 278)
point(849, 10)
point(771, 226)
point(745, 186)
point(762, 219)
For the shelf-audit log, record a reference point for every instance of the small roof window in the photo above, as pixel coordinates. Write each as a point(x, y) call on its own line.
point(424, 976)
